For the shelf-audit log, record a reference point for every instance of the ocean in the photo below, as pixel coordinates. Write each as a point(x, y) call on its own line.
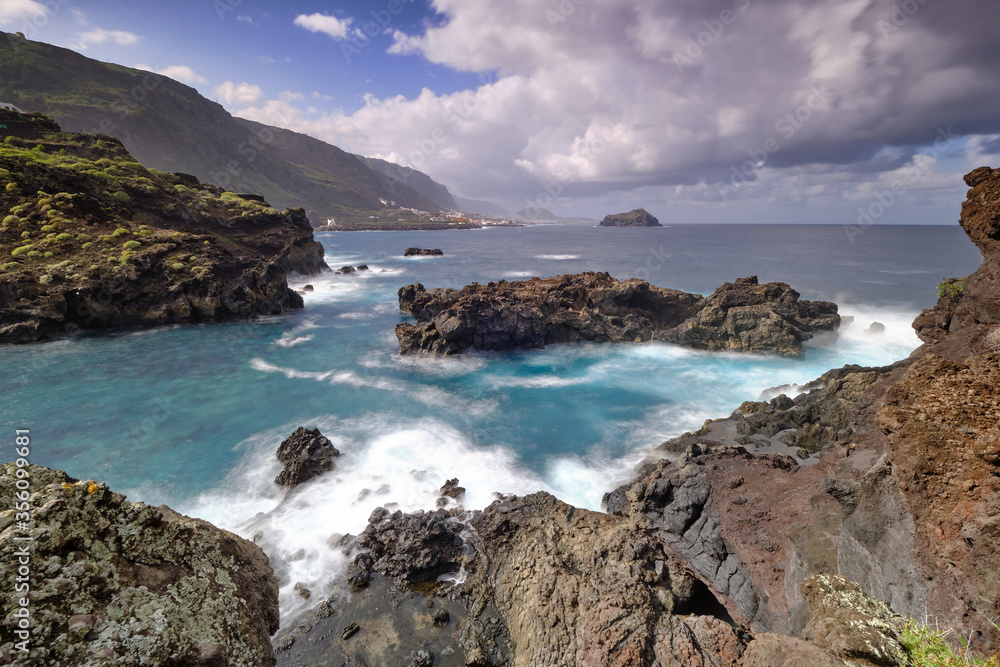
point(191, 416)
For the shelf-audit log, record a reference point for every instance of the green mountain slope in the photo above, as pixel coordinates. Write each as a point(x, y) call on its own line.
point(417, 180)
point(169, 126)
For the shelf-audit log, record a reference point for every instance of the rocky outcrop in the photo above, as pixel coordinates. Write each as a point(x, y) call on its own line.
point(744, 315)
point(422, 252)
point(969, 308)
point(305, 454)
point(113, 582)
point(636, 218)
point(94, 240)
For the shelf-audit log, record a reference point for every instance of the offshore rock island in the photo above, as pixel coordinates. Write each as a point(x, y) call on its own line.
point(93, 240)
point(636, 218)
point(742, 316)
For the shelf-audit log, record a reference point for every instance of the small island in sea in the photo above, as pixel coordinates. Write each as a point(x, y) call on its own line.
point(636, 218)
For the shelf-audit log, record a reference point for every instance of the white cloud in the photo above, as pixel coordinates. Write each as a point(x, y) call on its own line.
point(181, 73)
point(666, 100)
point(246, 19)
point(17, 11)
point(100, 36)
point(238, 95)
point(328, 25)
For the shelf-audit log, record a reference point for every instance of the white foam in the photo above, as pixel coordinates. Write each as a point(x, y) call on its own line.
point(401, 465)
point(557, 258)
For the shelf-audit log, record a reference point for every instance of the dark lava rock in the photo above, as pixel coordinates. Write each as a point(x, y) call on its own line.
point(345, 270)
point(422, 252)
point(305, 454)
point(362, 267)
point(636, 218)
point(412, 547)
point(308, 288)
point(743, 315)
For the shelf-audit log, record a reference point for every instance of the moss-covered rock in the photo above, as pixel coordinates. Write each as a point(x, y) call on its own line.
point(114, 582)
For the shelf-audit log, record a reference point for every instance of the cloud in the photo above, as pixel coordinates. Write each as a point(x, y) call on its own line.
point(246, 19)
point(238, 95)
point(15, 11)
point(101, 36)
point(328, 25)
point(181, 73)
point(700, 104)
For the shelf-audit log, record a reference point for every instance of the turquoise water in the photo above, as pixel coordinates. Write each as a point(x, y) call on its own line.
point(191, 416)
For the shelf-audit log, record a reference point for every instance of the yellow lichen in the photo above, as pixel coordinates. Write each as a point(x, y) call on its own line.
point(93, 488)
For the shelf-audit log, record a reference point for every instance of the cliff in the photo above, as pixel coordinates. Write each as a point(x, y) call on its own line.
point(107, 581)
point(743, 315)
point(635, 218)
point(171, 127)
point(718, 554)
point(92, 239)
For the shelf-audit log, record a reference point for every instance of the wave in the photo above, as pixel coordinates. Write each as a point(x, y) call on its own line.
point(557, 257)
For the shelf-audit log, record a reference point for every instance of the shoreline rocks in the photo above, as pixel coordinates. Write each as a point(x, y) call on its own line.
point(743, 315)
point(114, 582)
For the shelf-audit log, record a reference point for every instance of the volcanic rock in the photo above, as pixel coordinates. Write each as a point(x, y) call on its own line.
point(636, 218)
point(743, 316)
point(114, 582)
point(305, 453)
point(422, 252)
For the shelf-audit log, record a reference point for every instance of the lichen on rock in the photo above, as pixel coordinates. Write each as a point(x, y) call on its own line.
point(115, 582)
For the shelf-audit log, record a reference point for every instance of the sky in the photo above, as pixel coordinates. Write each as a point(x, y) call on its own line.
point(852, 112)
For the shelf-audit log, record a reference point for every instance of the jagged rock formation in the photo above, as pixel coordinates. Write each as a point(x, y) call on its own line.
point(422, 252)
point(635, 218)
point(743, 315)
point(305, 454)
point(114, 582)
point(94, 240)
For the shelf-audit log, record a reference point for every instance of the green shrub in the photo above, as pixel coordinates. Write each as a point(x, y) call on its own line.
point(48, 228)
point(121, 231)
point(951, 287)
point(64, 237)
point(88, 245)
point(34, 254)
point(11, 220)
point(121, 196)
point(930, 648)
point(177, 266)
point(132, 245)
point(8, 266)
point(48, 253)
point(11, 188)
point(83, 237)
point(16, 252)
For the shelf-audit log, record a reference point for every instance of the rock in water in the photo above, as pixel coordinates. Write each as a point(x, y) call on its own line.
point(421, 252)
point(114, 582)
point(875, 329)
point(305, 454)
point(636, 218)
point(744, 315)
